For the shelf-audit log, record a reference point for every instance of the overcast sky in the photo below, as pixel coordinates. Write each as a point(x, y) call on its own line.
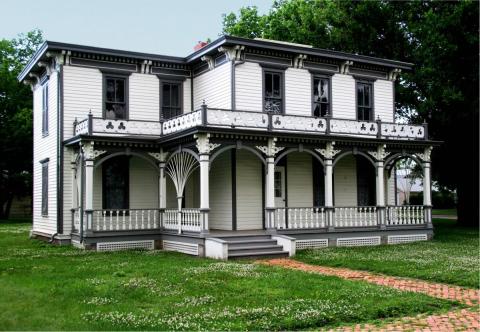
point(169, 27)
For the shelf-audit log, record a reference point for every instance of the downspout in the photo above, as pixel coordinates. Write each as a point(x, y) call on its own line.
point(82, 189)
point(52, 238)
point(60, 148)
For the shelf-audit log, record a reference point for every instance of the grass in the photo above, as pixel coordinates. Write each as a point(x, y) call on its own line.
point(452, 257)
point(47, 287)
point(444, 212)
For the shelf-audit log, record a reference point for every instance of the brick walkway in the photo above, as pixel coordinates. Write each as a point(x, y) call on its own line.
point(456, 320)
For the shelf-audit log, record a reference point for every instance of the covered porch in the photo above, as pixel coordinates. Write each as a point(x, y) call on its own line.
point(212, 183)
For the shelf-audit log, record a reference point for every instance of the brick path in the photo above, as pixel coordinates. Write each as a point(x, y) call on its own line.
point(455, 320)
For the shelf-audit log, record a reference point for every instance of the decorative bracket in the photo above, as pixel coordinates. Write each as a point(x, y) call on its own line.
point(345, 67)
point(298, 60)
point(209, 60)
point(380, 154)
point(425, 156)
point(161, 156)
point(90, 153)
point(271, 149)
point(203, 144)
point(233, 53)
point(329, 152)
point(145, 69)
point(393, 74)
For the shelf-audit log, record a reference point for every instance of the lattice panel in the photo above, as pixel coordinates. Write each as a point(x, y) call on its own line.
point(186, 248)
point(311, 244)
point(125, 245)
point(395, 239)
point(358, 241)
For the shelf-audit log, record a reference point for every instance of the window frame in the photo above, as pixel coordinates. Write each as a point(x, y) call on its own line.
point(170, 81)
point(315, 75)
point(274, 70)
point(115, 75)
point(44, 176)
point(364, 81)
point(45, 108)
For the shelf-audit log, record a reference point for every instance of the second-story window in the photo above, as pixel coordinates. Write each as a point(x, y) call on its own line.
point(45, 109)
point(321, 96)
point(365, 101)
point(171, 99)
point(115, 98)
point(273, 92)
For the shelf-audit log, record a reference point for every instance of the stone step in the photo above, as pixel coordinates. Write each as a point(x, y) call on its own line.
point(251, 243)
point(247, 248)
point(258, 254)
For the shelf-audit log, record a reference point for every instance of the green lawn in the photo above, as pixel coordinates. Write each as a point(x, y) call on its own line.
point(444, 212)
point(452, 257)
point(46, 287)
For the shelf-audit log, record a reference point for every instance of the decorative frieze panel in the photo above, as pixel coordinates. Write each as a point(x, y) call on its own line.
point(299, 123)
point(232, 119)
point(106, 126)
point(353, 127)
point(81, 128)
point(394, 130)
point(182, 122)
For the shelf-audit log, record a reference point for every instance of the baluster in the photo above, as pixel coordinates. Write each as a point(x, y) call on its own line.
point(124, 226)
point(142, 224)
point(136, 219)
point(316, 211)
point(149, 220)
point(350, 220)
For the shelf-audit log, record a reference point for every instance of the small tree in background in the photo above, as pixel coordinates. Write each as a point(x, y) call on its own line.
point(15, 119)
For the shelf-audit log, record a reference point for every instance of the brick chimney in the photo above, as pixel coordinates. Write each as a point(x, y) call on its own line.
point(200, 44)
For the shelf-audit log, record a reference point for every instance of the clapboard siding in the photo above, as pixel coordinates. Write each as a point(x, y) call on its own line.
point(187, 96)
point(82, 91)
point(345, 182)
point(213, 87)
point(192, 190)
point(390, 189)
point(298, 96)
point(383, 100)
point(220, 216)
point(45, 147)
point(144, 97)
point(171, 193)
point(249, 191)
point(248, 87)
point(299, 180)
point(343, 97)
point(143, 184)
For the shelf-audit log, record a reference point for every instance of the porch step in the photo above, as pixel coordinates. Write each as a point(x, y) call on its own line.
point(253, 246)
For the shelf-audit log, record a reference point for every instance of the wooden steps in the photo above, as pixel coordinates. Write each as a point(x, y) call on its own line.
point(253, 246)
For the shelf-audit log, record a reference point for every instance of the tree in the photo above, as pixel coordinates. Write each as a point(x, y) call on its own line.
point(15, 119)
point(439, 37)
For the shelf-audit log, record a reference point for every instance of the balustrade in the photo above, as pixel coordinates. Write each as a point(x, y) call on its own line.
point(298, 218)
point(355, 216)
point(405, 215)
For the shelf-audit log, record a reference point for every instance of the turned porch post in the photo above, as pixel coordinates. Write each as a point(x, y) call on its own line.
point(328, 154)
point(379, 156)
point(162, 185)
point(89, 192)
point(204, 148)
point(427, 190)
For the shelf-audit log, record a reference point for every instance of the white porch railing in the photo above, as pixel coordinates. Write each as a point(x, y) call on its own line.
point(405, 215)
point(297, 218)
point(355, 216)
point(125, 220)
point(190, 220)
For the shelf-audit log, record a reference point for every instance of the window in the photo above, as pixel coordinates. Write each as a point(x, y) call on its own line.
point(365, 101)
point(321, 96)
point(115, 184)
point(45, 188)
point(366, 182)
point(273, 92)
point(45, 109)
point(115, 98)
point(171, 99)
point(277, 183)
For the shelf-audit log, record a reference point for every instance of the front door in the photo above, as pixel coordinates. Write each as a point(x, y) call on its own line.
point(279, 186)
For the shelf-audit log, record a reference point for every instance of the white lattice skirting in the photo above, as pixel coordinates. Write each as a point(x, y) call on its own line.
point(125, 245)
point(186, 248)
point(358, 241)
point(395, 239)
point(311, 244)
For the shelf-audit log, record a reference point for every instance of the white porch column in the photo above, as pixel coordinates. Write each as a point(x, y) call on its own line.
point(89, 154)
point(328, 154)
point(204, 190)
point(75, 203)
point(204, 148)
point(427, 185)
point(379, 156)
point(270, 150)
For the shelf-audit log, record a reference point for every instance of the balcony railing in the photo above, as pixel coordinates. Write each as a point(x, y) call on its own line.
point(254, 121)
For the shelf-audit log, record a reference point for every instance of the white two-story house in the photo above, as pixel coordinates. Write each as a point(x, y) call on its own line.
point(243, 148)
